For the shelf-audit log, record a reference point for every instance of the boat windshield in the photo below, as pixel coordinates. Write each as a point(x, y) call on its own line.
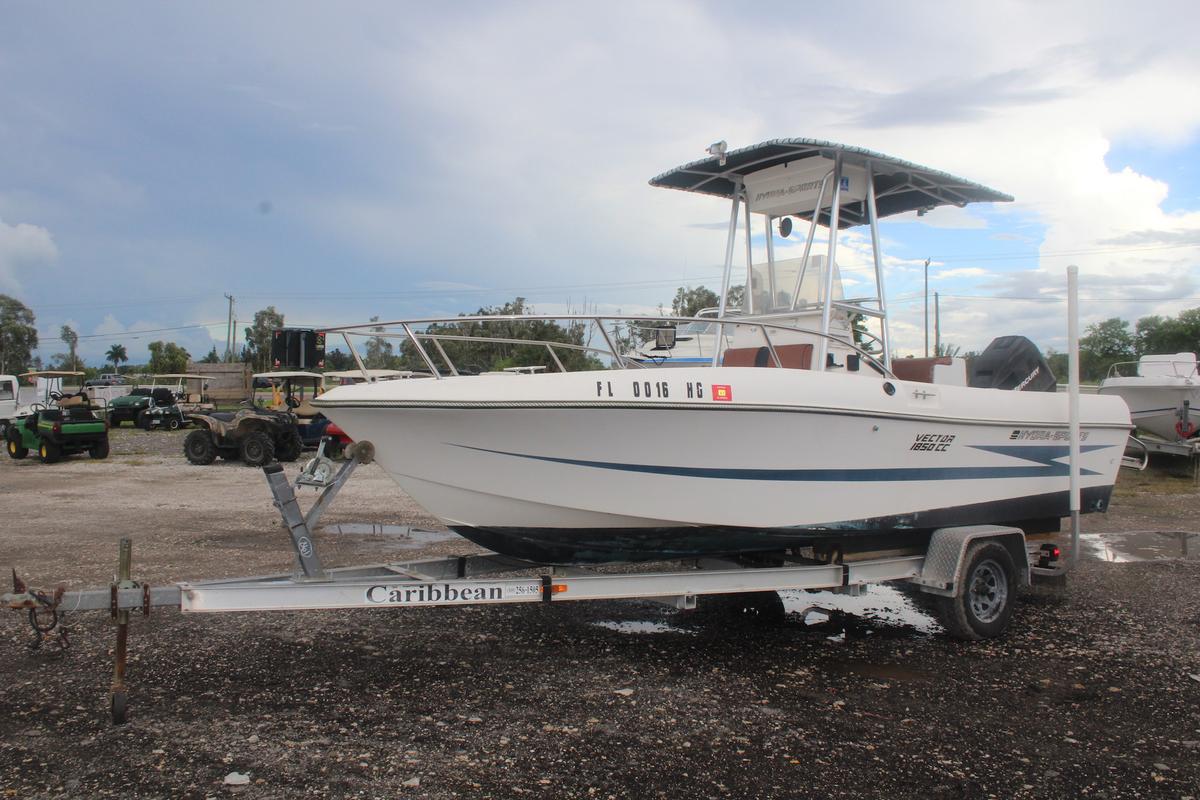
point(774, 290)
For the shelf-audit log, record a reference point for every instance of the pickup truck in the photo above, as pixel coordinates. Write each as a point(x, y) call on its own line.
point(8, 399)
point(107, 379)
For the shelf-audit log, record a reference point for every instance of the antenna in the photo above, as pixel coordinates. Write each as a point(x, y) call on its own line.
point(718, 149)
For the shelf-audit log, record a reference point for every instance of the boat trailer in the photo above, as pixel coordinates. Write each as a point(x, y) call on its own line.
point(492, 578)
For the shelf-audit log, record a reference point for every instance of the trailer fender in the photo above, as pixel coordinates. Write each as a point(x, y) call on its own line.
point(944, 561)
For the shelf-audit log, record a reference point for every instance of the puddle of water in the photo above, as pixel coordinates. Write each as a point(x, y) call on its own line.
point(883, 672)
point(402, 536)
point(877, 602)
point(1129, 547)
point(641, 626)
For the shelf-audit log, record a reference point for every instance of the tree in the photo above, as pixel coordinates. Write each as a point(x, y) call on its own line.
point(483, 356)
point(71, 339)
point(212, 357)
point(18, 336)
point(1164, 335)
point(1104, 344)
point(336, 360)
point(117, 355)
point(258, 338)
point(736, 297)
point(380, 350)
point(689, 302)
point(168, 357)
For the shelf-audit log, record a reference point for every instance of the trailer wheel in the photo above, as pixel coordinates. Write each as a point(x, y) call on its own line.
point(199, 447)
point(983, 605)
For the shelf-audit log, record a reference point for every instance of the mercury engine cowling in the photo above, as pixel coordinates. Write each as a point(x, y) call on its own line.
point(1012, 362)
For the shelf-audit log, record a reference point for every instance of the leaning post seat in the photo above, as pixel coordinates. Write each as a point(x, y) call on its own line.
point(791, 356)
point(918, 370)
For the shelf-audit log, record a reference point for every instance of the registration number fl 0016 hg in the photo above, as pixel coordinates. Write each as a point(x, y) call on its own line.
point(640, 390)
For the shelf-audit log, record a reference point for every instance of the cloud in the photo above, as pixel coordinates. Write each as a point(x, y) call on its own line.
point(959, 272)
point(446, 147)
point(23, 247)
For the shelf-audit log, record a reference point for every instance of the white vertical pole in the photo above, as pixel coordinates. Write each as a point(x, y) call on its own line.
point(733, 221)
point(750, 263)
point(830, 260)
point(1073, 401)
point(884, 340)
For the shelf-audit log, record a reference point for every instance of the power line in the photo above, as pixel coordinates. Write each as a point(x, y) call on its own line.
point(134, 334)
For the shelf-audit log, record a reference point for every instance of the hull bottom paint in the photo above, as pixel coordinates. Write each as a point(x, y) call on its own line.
point(1035, 514)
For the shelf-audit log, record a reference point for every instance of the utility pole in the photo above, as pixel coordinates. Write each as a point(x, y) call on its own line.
point(937, 324)
point(229, 331)
point(927, 308)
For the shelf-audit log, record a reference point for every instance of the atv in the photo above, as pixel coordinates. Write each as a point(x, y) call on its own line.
point(70, 426)
point(256, 435)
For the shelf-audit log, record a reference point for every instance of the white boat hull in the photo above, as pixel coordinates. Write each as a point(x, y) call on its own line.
point(585, 467)
point(1155, 404)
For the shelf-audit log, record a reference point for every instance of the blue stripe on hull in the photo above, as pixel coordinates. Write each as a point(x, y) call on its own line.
point(1044, 458)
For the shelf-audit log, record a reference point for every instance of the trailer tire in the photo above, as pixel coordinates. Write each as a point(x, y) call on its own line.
point(983, 605)
point(199, 448)
point(257, 449)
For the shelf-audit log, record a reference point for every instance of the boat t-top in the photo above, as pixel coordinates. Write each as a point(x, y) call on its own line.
point(799, 433)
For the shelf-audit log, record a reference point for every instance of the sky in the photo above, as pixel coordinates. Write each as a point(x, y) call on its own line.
point(341, 161)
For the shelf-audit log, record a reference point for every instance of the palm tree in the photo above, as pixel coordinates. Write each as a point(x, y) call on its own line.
point(116, 354)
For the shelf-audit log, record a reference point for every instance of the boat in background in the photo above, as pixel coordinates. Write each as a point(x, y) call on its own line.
point(686, 345)
point(1162, 394)
point(799, 435)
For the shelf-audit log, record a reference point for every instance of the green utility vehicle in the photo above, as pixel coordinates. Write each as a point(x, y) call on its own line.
point(161, 401)
point(59, 426)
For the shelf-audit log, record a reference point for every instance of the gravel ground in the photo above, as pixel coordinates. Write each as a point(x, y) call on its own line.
point(1095, 690)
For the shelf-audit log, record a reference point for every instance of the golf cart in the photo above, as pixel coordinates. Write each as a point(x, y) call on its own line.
point(293, 391)
point(56, 424)
point(191, 391)
point(165, 403)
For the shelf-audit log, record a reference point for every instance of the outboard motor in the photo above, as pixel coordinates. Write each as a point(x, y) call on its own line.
point(1012, 362)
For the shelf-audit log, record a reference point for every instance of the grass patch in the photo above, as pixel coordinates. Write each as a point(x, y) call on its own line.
point(1158, 478)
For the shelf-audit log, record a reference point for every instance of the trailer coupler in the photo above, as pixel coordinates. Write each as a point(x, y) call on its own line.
point(42, 608)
